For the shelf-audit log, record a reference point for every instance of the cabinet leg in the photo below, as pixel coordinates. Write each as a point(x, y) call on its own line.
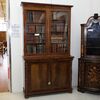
point(26, 96)
point(81, 90)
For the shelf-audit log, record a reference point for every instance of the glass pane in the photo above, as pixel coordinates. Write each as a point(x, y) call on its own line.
point(59, 32)
point(35, 16)
point(35, 32)
point(93, 38)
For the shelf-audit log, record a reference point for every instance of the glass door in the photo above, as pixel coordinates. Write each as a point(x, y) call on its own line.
point(59, 32)
point(93, 37)
point(35, 32)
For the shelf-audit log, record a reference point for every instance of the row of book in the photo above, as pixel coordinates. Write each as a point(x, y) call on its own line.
point(35, 39)
point(58, 48)
point(35, 48)
point(35, 28)
point(55, 48)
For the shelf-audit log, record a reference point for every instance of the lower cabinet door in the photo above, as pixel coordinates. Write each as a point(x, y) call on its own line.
point(61, 75)
point(36, 77)
point(39, 76)
point(92, 76)
point(89, 75)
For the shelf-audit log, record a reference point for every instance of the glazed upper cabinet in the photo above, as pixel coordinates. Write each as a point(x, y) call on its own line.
point(47, 48)
point(90, 43)
point(89, 63)
point(46, 30)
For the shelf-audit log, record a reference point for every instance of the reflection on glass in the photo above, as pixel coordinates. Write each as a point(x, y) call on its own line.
point(59, 32)
point(93, 37)
point(35, 31)
point(35, 16)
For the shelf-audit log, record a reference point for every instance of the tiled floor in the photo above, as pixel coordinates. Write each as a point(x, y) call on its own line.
point(63, 96)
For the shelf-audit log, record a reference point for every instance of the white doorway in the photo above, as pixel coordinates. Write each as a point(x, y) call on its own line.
point(5, 79)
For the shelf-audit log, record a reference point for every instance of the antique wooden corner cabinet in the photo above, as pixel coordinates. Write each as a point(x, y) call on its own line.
point(48, 64)
point(89, 63)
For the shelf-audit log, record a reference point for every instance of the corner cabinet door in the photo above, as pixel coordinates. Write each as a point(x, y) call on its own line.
point(61, 75)
point(92, 74)
point(36, 77)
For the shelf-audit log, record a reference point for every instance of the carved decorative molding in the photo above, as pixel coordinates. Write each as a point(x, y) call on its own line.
point(93, 75)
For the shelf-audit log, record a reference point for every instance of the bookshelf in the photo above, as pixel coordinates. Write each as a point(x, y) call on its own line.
point(47, 48)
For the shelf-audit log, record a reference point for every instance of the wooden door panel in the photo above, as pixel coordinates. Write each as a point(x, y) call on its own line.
point(39, 76)
point(60, 74)
point(92, 74)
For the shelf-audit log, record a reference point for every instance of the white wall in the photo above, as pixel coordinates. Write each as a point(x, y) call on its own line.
point(81, 11)
point(3, 25)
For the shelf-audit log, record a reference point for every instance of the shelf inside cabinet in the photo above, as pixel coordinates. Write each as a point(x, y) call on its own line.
point(58, 47)
point(93, 51)
point(35, 48)
point(93, 42)
point(35, 28)
point(59, 27)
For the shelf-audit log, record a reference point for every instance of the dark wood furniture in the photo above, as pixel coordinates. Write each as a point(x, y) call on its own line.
point(1, 49)
point(47, 48)
point(89, 62)
point(2, 36)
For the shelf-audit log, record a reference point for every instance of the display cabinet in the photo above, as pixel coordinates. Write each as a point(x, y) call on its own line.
point(47, 48)
point(89, 62)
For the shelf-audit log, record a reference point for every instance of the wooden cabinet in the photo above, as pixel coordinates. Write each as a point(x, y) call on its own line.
point(47, 48)
point(89, 63)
